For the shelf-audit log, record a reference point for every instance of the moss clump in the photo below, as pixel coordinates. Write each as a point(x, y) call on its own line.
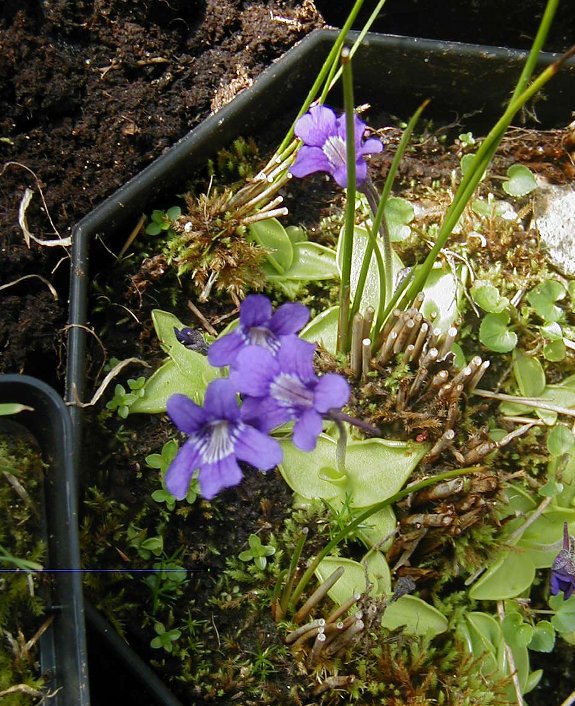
point(20, 538)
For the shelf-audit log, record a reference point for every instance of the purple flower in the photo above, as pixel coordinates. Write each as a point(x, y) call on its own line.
point(284, 387)
point(258, 326)
point(324, 146)
point(218, 437)
point(563, 569)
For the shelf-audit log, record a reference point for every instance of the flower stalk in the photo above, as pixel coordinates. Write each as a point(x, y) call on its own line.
point(347, 243)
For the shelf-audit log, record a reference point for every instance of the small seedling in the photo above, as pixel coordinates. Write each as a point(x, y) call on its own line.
point(122, 399)
point(165, 638)
point(162, 220)
point(257, 552)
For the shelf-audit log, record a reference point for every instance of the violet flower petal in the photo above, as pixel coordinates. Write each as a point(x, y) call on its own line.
point(295, 357)
point(371, 146)
point(255, 310)
point(289, 318)
point(257, 449)
point(307, 429)
point(215, 477)
point(264, 413)
point(224, 350)
point(331, 391)
point(340, 176)
point(316, 126)
point(185, 414)
point(255, 369)
point(221, 400)
point(310, 160)
point(181, 470)
point(324, 148)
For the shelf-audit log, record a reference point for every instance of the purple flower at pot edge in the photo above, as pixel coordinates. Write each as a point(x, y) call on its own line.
point(258, 325)
point(217, 438)
point(324, 146)
point(284, 387)
point(563, 569)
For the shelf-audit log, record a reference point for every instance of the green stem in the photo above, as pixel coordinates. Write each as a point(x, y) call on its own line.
point(536, 47)
point(379, 217)
point(332, 80)
point(347, 236)
point(379, 225)
point(360, 519)
point(385, 271)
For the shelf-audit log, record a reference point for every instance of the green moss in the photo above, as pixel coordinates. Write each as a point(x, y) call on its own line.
point(21, 606)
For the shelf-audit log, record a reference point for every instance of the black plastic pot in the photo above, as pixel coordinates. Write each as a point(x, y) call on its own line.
point(63, 653)
point(391, 73)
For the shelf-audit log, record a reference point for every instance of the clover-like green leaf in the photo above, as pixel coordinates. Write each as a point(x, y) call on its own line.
point(554, 351)
point(466, 163)
point(543, 297)
point(257, 552)
point(515, 631)
point(520, 181)
point(487, 296)
point(174, 213)
point(162, 460)
point(543, 639)
point(495, 335)
point(564, 619)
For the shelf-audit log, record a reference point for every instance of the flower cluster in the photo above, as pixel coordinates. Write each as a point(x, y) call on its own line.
point(324, 146)
point(272, 369)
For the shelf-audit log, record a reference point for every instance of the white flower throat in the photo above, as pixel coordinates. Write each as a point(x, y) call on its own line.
point(217, 441)
point(335, 150)
point(290, 391)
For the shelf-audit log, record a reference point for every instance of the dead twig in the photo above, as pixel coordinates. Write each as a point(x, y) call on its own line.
point(201, 318)
point(107, 380)
point(53, 292)
point(25, 202)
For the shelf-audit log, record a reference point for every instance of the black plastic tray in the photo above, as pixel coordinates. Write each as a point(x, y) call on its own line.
point(63, 646)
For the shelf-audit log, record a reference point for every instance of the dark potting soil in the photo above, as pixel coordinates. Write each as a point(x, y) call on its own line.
point(90, 93)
